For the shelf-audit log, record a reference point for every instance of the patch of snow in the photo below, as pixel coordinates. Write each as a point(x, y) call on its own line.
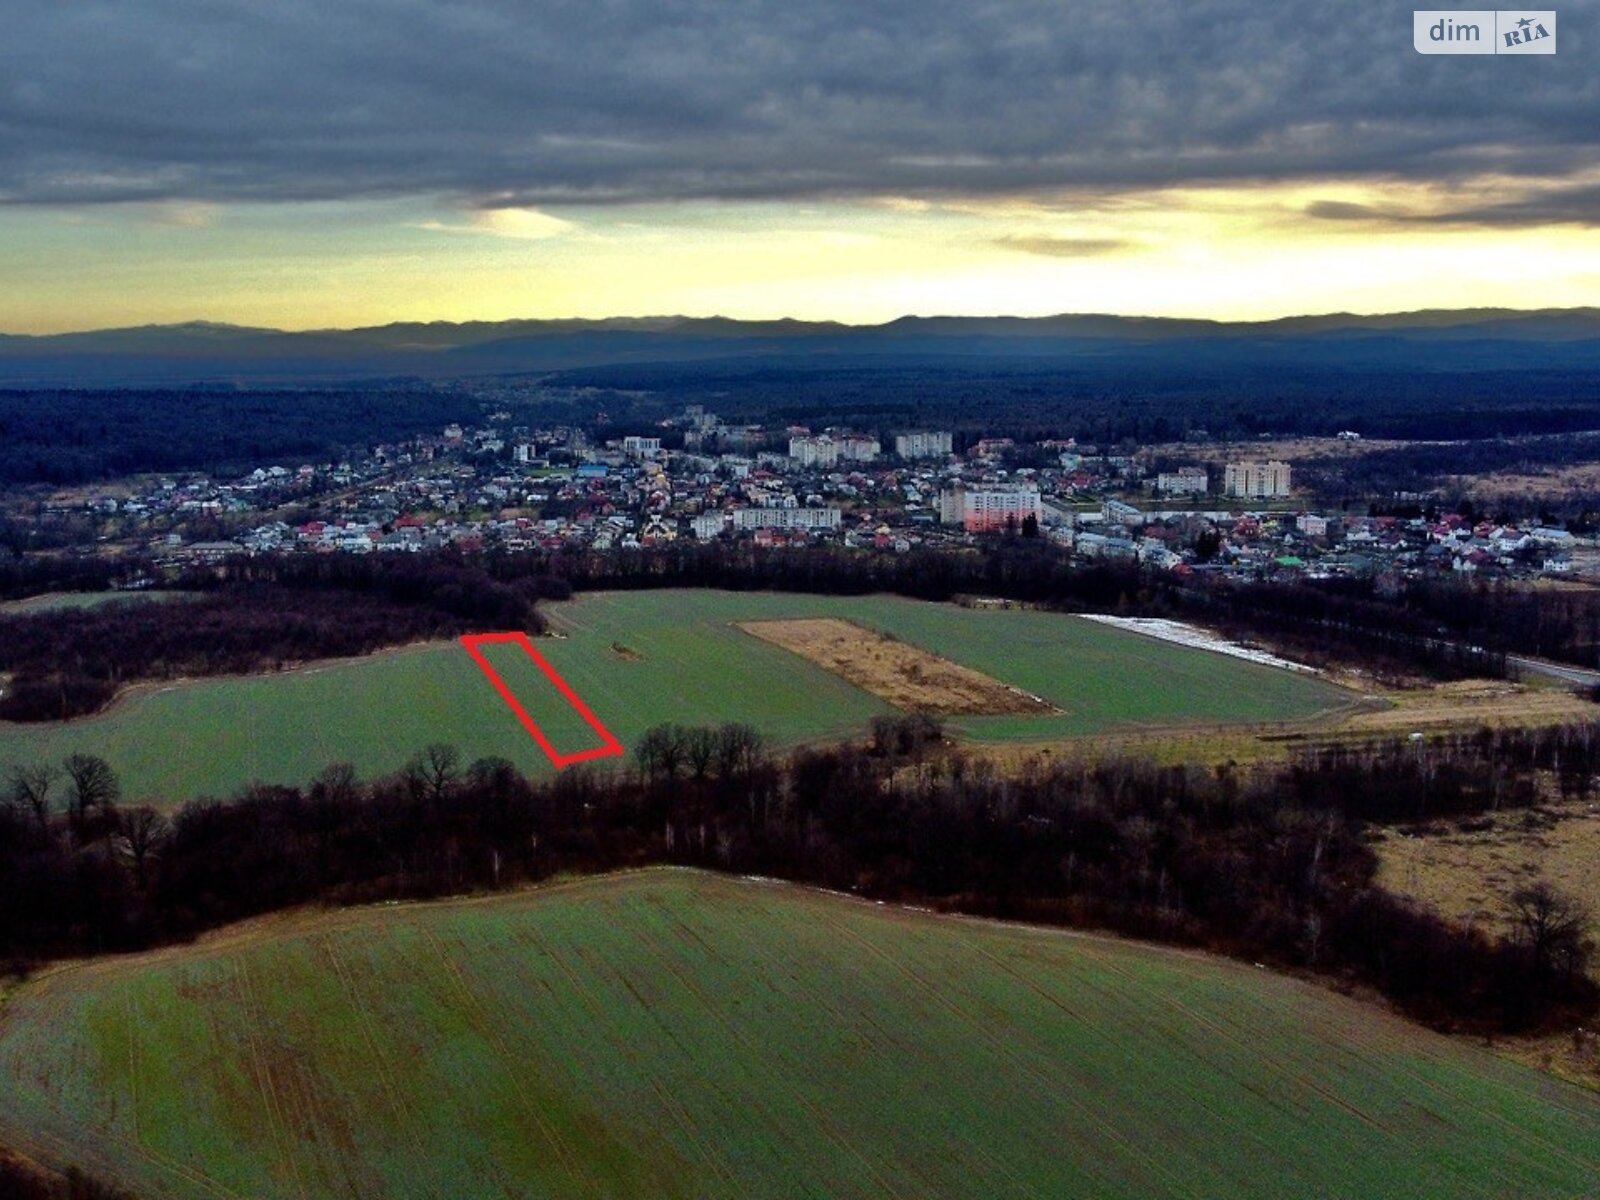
point(1184, 634)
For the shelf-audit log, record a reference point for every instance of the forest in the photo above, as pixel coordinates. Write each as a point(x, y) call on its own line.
point(66, 436)
point(1135, 395)
point(1268, 863)
point(1103, 394)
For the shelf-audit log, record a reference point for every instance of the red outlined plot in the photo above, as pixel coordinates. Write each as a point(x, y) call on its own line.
point(608, 746)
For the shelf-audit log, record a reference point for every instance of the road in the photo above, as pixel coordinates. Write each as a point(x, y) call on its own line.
point(1576, 676)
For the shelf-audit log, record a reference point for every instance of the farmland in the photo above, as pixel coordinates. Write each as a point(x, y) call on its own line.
point(675, 1034)
point(907, 677)
point(641, 658)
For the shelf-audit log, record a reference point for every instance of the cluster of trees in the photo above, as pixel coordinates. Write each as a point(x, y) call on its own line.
point(269, 613)
point(1450, 775)
point(1269, 864)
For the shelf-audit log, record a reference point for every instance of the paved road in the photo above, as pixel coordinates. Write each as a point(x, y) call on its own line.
point(1577, 676)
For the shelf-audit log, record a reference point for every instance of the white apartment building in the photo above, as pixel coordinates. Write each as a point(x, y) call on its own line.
point(829, 450)
point(1257, 480)
point(786, 518)
point(857, 447)
point(819, 451)
point(923, 444)
point(1185, 481)
point(708, 525)
point(641, 447)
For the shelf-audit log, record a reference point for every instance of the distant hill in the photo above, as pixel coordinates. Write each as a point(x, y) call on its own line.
point(206, 352)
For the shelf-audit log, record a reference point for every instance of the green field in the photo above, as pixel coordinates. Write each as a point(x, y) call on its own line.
point(672, 1034)
point(688, 663)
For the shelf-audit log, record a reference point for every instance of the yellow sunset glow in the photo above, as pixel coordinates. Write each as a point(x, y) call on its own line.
point(1226, 253)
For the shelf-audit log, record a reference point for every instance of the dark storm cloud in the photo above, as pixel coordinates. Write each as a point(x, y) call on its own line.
point(1540, 206)
point(627, 100)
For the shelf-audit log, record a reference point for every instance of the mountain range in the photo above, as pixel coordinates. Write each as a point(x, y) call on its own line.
point(204, 352)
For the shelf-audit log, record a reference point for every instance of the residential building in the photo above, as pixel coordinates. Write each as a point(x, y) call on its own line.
point(641, 447)
point(830, 449)
point(1185, 481)
point(857, 447)
point(1257, 480)
point(990, 508)
point(708, 525)
point(1119, 512)
point(818, 451)
point(786, 518)
point(923, 444)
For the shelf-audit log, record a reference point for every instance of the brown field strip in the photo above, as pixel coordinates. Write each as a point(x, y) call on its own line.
point(907, 677)
point(1380, 715)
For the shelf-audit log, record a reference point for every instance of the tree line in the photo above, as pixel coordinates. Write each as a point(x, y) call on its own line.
point(68, 662)
point(1270, 864)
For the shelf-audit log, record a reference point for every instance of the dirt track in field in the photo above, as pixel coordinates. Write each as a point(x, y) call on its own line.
point(907, 677)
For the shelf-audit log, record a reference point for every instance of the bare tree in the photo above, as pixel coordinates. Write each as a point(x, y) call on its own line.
point(94, 787)
point(1552, 930)
point(700, 748)
point(144, 830)
point(661, 751)
point(335, 783)
point(29, 791)
point(432, 772)
point(740, 750)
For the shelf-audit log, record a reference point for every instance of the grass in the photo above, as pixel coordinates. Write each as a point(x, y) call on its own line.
point(670, 1034)
point(52, 601)
point(687, 662)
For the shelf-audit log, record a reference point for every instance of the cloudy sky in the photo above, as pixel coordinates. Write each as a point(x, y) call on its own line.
point(337, 162)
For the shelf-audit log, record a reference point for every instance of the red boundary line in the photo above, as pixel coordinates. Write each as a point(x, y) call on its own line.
point(609, 745)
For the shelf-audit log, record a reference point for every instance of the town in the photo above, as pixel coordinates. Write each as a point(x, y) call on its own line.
point(501, 484)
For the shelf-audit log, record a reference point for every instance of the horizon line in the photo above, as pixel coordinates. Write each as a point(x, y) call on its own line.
point(204, 322)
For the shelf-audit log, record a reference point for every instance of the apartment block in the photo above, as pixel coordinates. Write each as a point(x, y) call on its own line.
point(923, 444)
point(1256, 480)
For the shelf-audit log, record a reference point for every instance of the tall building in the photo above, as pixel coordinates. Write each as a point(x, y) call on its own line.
point(925, 444)
point(857, 447)
point(819, 451)
point(990, 509)
point(1256, 480)
point(830, 449)
point(641, 447)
